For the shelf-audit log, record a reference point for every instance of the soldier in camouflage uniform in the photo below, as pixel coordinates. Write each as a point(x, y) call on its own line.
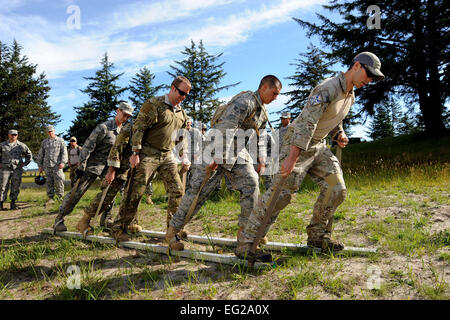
point(245, 112)
point(52, 158)
point(304, 151)
point(115, 179)
point(12, 155)
point(152, 144)
point(285, 121)
point(73, 151)
point(93, 160)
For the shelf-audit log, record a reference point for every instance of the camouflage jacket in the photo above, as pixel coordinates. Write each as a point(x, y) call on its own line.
point(244, 114)
point(327, 106)
point(12, 155)
point(53, 152)
point(156, 126)
point(96, 148)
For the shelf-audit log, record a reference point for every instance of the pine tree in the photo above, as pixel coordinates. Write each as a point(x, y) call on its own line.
point(103, 101)
point(311, 69)
point(142, 88)
point(413, 44)
point(205, 74)
point(384, 121)
point(23, 95)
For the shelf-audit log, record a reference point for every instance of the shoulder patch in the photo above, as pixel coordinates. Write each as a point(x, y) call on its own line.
point(317, 99)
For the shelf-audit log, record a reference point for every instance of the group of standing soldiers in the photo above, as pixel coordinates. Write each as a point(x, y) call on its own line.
point(129, 155)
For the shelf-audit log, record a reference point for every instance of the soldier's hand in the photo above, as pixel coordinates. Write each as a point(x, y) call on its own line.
point(61, 166)
point(110, 175)
point(342, 140)
point(40, 170)
point(213, 166)
point(261, 168)
point(289, 163)
point(134, 160)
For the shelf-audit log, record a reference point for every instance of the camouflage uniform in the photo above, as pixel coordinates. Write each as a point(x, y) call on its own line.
point(327, 106)
point(243, 112)
point(12, 157)
point(74, 156)
point(52, 153)
point(152, 135)
point(118, 158)
point(93, 160)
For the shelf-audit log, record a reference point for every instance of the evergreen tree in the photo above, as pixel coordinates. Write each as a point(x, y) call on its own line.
point(142, 89)
point(310, 70)
point(23, 96)
point(103, 101)
point(413, 45)
point(205, 74)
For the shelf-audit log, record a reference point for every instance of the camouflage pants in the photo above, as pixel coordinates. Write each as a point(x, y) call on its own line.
point(166, 166)
point(243, 178)
point(110, 197)
point(73, 175)
point(149, 189)
point(55, 181)
point(71, 199)
point(324, 169)
point(7, 177)
point(267, 179)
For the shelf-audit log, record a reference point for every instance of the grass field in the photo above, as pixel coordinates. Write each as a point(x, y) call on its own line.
point(398, 201)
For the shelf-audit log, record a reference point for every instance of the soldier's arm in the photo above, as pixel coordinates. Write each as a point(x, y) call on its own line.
point(233, 119)
point(96, 137)
point(116, 152)
point(306, 123)
point(148, 115)
point(40, 157)
point(63, 156)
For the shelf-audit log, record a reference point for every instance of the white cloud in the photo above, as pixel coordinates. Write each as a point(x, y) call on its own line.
point(57, 50)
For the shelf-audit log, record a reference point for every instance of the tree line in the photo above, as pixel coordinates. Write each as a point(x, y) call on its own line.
point(413, 45)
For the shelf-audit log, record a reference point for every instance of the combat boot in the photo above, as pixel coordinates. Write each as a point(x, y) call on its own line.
point(120, 235)
point(1, 205)
point(13, 205)
point(134, 228)
point(59, 225)
point(182, 234)
point(242, 251)
point(149, 200)
point(173, 239)
point(326, 244)
point(83, 225)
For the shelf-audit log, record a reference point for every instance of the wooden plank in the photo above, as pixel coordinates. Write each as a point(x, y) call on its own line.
point(275, 246)
point(189, 254)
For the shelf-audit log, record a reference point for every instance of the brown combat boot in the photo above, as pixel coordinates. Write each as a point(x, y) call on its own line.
point(149, 200)
point(242, 251)
point(173, 239)
point(120, 235)
point(326, 244)
point(83, 225)
point(134, 228)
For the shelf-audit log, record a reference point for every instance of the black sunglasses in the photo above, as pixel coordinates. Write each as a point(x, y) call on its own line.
point(182, 93)
point(368, 72)
point(14, 134)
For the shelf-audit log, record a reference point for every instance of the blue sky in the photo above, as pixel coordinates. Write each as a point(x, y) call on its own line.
point(256, 38)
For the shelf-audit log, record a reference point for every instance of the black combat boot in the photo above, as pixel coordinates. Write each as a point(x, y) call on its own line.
point(1, 205)
point(13, 205)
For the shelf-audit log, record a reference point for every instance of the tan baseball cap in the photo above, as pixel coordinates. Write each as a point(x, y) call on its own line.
point(126, 108)
point(372, 63)
point(13, 131)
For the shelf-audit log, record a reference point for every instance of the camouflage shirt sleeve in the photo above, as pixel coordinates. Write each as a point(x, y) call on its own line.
point(116, 152)
point(91, 142)
point(233, 119)
point(27, 155)
point(306, 123)
point(148, 115)
point(64, 156)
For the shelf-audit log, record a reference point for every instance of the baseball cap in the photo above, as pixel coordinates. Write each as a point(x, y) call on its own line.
point(73, 139)
point(12, 131)
point(50, 128)
point(372, 63)
point(126, 108)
